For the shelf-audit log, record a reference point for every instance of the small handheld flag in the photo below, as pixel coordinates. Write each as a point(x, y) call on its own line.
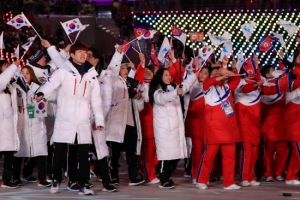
point(139, 31)
point(153, 57)
point(216, 40)
point(127, 46)
point(240, 61)
point(2, 46)
point(289, 27)
point(179, 34)
point(247, 29)
point(17, 52)
point(29, 42)
point(19, 21)
point(164, 49)
point(266, 44)
point(226, 49)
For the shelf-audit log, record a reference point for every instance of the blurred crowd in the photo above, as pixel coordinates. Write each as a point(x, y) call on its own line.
point(65, 7)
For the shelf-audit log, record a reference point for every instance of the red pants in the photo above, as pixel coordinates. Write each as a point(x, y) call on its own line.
point(294, 164)
point(248, 157)
point(228, 162)
point(197, 151)
point(149, 159)
point(275, 167)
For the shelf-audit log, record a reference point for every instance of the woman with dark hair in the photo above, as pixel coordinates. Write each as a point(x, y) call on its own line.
point(32, 133)
point(221, 126)
point(9, 140)
point(168, 122)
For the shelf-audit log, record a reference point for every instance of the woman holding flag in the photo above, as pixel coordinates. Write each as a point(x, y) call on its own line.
point(31, 130)
point(168, 122)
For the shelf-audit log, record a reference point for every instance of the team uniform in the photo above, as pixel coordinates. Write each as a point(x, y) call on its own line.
point(221, 131)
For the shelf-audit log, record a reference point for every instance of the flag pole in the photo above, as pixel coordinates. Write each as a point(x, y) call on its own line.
point(23, 55)
point(76, 36)
point(135, 50)
point(139, 46)
point(131, 41)
point(67, 35)
point(278, 53)
point(32, 26)
point(127, 57)
point(194, 52)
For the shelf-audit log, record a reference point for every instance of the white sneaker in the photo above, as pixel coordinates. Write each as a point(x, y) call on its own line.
point(201, 186)
point(269, 179)
point(233, 187)
point(86, 191)
point(254, 183)
point(245, 183)
point(54, 188)
point(293, 182)
point(194, 181)
point(279, 178)
point(154, 181)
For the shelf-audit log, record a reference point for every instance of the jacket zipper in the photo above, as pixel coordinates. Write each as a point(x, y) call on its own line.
point(84, 88)
point(75, 83)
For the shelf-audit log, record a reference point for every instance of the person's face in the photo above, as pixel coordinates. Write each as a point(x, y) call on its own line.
point(166, 77)
point(4, 67)
point(203, 74)
point(269, 75)
point(79, 57)
point(123, 71)
point(148, 74)
point(26, 75)
point(214, 73)
point(91, 59)
point(42, 61)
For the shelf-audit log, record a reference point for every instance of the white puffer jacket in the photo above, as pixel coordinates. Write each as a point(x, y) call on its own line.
point(9, 140)
point(168, 122)
point(75, 96)
point(106, 96)
point(117, 116)
point(42, 74)
point(32, 132)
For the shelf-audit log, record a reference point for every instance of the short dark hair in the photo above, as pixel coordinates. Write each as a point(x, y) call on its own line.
point(265, 70)
point(95, 52)
point(151, 68)
point(76, 47)
point(155, 82)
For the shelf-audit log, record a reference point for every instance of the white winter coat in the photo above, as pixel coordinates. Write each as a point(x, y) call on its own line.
point(9, 140)
point(32, 132)
point(117, 116)
point(75, 96)
point(168, 122)
point(42, 74)
point(106, 96)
